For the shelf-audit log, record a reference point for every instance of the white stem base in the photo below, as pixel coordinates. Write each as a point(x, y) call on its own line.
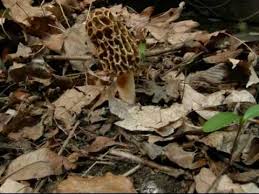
point(126, 87)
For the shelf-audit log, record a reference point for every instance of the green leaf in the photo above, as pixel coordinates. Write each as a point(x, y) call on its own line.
point(220, 120)
point(252, 112)
point(142, 50)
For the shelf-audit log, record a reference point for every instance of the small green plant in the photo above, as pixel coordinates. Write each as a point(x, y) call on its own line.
point(142, 47)
point(224, 119)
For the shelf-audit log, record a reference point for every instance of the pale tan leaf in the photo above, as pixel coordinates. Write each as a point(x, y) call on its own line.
point(161, 25)
point(72, 101)
point(146, 118)
point(101, 143)
point(176, 154)
point(11, 186)
point(203, 180)
point(104, 184)
point(223, 56)
point(74, 45)
point(223, 140)
point(37, 164)
point(225, 185)
point(239, 96)
point(54, 42)
point(22, 11)
point(22, 51)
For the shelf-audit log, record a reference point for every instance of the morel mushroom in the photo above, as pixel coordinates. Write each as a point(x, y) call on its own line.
point(116, 50)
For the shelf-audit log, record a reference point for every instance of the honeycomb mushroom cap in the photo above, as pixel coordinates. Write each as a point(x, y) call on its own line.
point(116, 48)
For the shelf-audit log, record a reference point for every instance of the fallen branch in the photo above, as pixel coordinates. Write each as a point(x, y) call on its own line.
point(70, 135)
point(168, 170)
point(65, 57)
point(150, 53)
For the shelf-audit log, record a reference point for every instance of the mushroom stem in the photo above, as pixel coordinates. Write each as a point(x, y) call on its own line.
point(126, 87)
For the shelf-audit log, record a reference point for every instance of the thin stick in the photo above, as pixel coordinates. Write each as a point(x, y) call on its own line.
point(156, 52)
point(233, 158)
point(168, 170)
point(65, 57)
point(70, 135)
point(63, 13)
point(96, 162)
point(132, 171)
point(40, 185)
point(150, 53)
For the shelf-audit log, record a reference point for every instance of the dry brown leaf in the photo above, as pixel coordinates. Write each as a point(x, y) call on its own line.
point(37, 164)
point(19, 95)
point(152, 150)
point(72, 101)
point(158, 92)
point(74, 45)
point(223, 140)
point(192, 99)
point(179, 40)
point(225, 185)
point(138, 22)
point(250, 154)
point(36, 20)
point(54, 42)
point(17, 72)
point(155, 138)
point(146, 118)
point(203, 180)
point(161, 25)
point(239, 96)
point(208, 80)
point(222, 57)
point(104, 184)
point(101, 143)
point(252, 61)
point(22, 51)
point(22, 11)
point(18, 120)
point(33, 133)
point(245, 177)
point(4, 119)
point(198, 102)
point(234, 62)
point(176, 154)
point(11, 186)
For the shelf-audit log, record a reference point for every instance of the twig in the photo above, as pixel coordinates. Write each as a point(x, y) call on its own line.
point(2, 25)
point(233, 158)
point(70, 135)
point(132, 171)
point(65, 57)
point(156, 52)
point(150, 53)
point(63, 13)
point(248, 47)
point(42, 9)
point(168, 170)
point(96, 162)
point(40, 185)
point(56, 27)
point(218, 178)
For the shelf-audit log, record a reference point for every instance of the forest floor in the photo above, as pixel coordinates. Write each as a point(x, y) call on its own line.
point(64, 127)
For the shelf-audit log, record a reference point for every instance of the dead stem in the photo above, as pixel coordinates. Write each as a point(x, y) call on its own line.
point(63, 13)
point(132, 171)
point(168, 170)
point(70, 135)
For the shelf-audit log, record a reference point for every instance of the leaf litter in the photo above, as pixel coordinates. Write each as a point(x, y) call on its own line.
point(64, 129)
